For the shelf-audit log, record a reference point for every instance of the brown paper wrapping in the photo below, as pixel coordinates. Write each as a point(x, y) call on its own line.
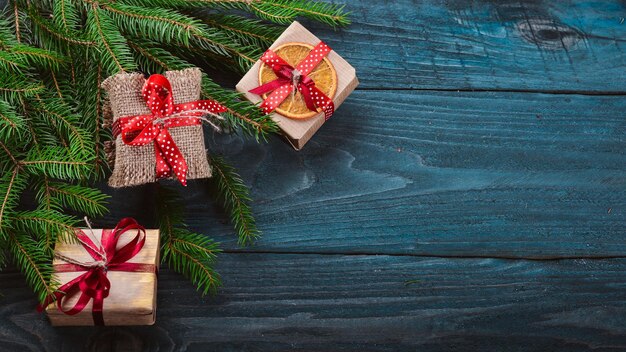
point(299, 132)
point(132, 298)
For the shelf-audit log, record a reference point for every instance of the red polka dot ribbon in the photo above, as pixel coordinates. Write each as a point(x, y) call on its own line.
point(144, 129)
point(288, 76)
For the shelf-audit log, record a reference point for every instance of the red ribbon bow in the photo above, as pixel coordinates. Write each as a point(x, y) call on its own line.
point(94, 284)
point(288, 76)
point(143, 129)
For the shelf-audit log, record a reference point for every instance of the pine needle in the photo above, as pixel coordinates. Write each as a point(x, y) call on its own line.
point(233, 195)
point(190, 254)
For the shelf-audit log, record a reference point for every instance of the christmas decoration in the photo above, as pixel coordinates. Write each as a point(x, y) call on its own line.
point(55, 56)
point(159, 136)
point(107, 278)
point(300, 81)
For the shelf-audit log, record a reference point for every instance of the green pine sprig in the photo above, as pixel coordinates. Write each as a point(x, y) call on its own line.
point(34, 262)
point(233, 195)
point(191, 254)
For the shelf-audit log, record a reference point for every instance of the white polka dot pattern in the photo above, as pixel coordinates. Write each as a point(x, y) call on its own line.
point(144, 129)
point(283, 86)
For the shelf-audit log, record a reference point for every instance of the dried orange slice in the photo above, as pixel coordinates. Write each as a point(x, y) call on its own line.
point(324, 76)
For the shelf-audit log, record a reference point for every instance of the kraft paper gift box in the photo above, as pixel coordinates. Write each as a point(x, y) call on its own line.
point(132, 296)
point(299, 131)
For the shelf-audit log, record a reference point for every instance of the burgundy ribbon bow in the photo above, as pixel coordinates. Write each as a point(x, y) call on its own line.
point(94, 284)
point(289, 76)
point(143, 129)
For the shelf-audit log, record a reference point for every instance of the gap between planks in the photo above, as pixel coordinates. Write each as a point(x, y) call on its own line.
point(497, 90)
point(364, 253)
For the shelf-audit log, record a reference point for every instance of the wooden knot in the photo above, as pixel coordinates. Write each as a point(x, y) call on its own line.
point(549, 34)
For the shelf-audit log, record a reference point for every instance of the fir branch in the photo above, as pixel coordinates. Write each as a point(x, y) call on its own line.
point(153, 22)
point(193, 255)
point(47, 225)
point(244, 30)
point(98, 120)
point(65, 122)
point(16, 17)
point(57, 195)
point(116, 56)
point(89, 96)
point(233, 195)
point(151, 58)
point(50, 36)
point(7, 34)
point(216, 41)
point(59, 163)
point(9, 63)
point(11, 186)
point(35, 263)
point(285, 11)
point(56, 84)
point(65, 14)
point(45, 59)
point(13, 85)
point(269, 13)
point(45, 133)
point(44, 197)
point(183, 4)
point(188, 253)
point(11, 154)
point(12, 125)
point(240, 114)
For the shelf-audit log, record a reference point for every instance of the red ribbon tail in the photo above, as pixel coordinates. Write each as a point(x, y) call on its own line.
point(305, 90)
point(97, 309)
point(169, 159)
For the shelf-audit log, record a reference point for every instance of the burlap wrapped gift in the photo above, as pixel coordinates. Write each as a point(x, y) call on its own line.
point(135, 165)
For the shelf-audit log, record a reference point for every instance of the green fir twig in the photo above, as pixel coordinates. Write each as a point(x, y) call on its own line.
point(233, 195)
point(190, 254)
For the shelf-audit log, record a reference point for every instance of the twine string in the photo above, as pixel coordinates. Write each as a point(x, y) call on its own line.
point(187, 112)
point(87, 264)
point(295, 80)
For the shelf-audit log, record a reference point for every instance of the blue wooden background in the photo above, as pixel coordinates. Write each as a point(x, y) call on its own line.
point(469, 196)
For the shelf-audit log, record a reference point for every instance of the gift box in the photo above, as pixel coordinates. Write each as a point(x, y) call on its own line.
point(300, 81)
point(107, 277)
point(157, 125)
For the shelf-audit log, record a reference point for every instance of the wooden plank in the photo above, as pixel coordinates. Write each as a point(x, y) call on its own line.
point(570, 45)
point(431, 173)
point(365, 303)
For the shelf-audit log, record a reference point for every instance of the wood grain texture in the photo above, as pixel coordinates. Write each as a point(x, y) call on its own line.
point(359, 303)
point(381, 234)
point(435, 173)
point(545, 45)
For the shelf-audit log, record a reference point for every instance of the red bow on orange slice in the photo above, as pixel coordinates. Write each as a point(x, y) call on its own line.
point(288, 77)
